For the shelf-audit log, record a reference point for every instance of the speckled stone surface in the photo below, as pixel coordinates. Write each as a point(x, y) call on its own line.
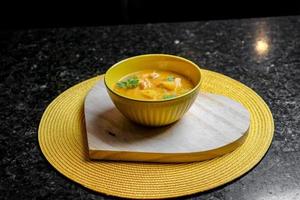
point(37, 65)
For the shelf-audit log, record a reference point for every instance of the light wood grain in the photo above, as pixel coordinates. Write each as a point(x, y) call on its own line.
point(214, 125)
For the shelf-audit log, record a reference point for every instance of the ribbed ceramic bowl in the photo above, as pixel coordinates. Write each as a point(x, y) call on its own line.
point(153, 112)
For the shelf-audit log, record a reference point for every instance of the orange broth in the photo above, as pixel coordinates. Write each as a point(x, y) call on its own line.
point(153, 85)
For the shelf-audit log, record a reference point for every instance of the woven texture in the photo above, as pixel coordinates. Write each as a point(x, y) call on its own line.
point(62, 140)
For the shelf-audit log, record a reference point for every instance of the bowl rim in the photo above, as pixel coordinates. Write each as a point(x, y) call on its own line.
point(196, 87)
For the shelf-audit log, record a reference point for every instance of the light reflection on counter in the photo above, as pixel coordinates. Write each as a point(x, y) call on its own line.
point(262, 41)
point(261, 47)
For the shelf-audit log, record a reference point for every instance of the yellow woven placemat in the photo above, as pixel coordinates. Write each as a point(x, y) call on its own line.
point(62, 139)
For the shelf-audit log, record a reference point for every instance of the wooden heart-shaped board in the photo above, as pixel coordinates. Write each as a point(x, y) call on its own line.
point(213, 126)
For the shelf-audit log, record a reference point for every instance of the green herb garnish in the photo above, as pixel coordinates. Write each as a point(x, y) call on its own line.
point(122, 84)
point(169, 96)
point(131, 82)
point(170, 78)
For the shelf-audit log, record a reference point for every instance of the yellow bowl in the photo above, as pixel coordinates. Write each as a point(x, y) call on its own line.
point(153, 112)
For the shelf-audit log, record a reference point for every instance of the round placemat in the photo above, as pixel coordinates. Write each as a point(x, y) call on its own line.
point(62, 139)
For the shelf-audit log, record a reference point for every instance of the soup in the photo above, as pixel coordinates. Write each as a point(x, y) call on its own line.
point(153, 85)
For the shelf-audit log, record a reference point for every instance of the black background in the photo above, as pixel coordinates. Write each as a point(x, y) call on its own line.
point(47, 14)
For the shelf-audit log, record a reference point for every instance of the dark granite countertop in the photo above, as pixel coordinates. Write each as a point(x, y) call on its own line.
point(37, 65)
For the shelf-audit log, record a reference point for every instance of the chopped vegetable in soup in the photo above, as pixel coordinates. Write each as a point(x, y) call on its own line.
point(153, 85)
